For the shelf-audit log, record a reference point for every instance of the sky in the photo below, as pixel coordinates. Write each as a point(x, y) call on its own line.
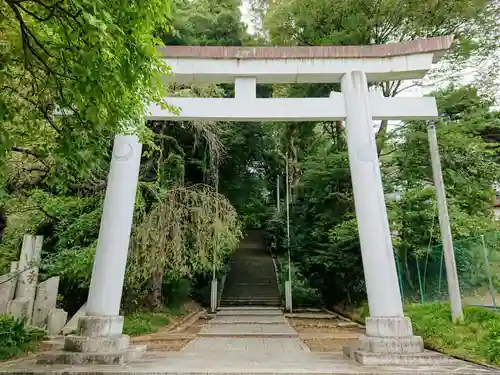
point(245, 12)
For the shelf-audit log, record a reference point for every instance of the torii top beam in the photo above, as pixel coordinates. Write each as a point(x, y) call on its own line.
point(318, 64)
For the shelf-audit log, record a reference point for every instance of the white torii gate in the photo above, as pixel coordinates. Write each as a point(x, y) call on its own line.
point(388, 331)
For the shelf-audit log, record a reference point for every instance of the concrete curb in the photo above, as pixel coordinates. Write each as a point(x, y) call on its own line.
point(193, 316)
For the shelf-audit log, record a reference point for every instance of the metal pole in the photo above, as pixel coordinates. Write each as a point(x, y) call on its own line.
point(288, 220)
point(214, 285)
point(278, 193)
point(444, 222)
point(288, 284)
point(216, 247)
point(488, 272)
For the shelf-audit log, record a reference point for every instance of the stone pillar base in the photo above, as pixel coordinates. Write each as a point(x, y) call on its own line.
point(288, 296)
point(99, 341)
point(132, 354)
point(213, 296)
point(389, 341)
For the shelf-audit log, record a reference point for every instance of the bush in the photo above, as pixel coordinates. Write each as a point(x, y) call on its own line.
point(303, 295)
point(17, 338)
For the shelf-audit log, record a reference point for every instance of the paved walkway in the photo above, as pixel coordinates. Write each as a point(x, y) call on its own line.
point(256, 348)
point(242, 331)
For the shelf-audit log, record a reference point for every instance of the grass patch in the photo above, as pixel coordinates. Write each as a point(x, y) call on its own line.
point(144, 322)
point(16, 338)
point(476, 339)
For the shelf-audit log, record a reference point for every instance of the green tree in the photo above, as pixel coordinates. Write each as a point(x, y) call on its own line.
point(98, 62)
point(474, 24)
point(206, 23)
point(93, 59)
point(325, 244)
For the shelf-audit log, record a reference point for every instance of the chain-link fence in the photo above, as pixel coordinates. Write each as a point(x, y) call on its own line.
point(422, 278)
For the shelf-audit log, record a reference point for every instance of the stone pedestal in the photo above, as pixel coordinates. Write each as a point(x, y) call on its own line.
point(288, 296)
point(390, 341)
point(56, 320)
point(213, 297)
point(99, 340)
point(45, 301)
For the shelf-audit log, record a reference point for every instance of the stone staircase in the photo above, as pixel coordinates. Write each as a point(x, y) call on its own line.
point(252, 278)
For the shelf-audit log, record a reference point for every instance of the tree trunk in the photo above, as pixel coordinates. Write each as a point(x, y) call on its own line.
point(3, 222)
point(155, 290)
point(381, 136)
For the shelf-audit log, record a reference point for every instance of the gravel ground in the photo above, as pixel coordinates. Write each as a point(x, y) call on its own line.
point(172, 341)
point(325, 335)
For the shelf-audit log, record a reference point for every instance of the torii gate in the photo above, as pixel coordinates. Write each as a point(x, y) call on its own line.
point(387, 330)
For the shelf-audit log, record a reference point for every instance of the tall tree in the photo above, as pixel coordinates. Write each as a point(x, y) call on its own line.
point(206, 23)
point(475, 24)
point(95, 60)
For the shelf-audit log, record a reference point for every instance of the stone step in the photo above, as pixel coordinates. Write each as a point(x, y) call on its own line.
point(246, 295)
point(248, 334)
point(248, 311)
point(248, 330)
point(78, 358)
point(251, 303)
point(254, 283)
point(416, 359)
point(251, 309)
point(251, 300)
point(248, 319)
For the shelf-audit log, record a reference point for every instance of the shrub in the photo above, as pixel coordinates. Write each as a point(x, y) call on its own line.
point(303, 295)
point(16, 337)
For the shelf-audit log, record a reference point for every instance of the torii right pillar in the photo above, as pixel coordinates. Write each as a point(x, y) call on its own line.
point(389, 336)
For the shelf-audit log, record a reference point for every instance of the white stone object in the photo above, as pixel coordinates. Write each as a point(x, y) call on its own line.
point(384, 297)
point(56, 320)
point(19, 308)
point(72, 325)
point(289, 109)
point(7, 290)
point(45, 301)
point(444, 223)
point(288, 296)
point(116, 222)
point(28, 270)
point(303, 70)
point(213, 296)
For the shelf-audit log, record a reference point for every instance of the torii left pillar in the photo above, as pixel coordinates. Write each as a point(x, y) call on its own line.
point(99, 337)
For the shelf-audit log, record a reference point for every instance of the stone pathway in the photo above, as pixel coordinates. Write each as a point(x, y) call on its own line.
point(254, 349)
point(247, 331)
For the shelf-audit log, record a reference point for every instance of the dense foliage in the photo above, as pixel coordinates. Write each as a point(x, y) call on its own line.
point(16, 337)
point(100, 64)
point(324, 240)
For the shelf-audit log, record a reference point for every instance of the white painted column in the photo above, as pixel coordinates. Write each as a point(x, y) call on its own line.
point(384, 297)
point(245, 89)
point(444, 222)
point(114, 235)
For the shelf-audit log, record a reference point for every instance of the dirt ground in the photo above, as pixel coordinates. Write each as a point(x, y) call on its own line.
point(173, 340)
point(326, 334)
